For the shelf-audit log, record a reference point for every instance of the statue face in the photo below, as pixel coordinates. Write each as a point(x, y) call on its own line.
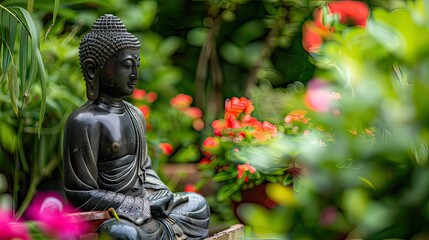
point(119, 75)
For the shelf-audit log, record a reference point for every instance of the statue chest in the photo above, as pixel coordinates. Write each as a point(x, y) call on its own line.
point(118, 137)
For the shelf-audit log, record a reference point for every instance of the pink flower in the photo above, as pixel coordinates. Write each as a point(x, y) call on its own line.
point(54, 217)
point(138, 94)
point(317, 96)
point(242, 169)
point(328, 216)
point(10, 229)
point(181, 101)
point(167, 148)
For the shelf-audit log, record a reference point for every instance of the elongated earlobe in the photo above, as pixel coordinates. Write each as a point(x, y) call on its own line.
point(91, 78)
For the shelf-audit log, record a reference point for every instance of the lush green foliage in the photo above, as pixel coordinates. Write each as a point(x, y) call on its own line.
point(369, 181)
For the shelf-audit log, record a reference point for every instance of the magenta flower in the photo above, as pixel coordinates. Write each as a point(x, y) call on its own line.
point(55, 218)
point(10, 229)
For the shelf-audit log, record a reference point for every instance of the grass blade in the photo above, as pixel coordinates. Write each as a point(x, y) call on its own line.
point(33, 70)
point(7, 53)
point(23, 62)
point(41, 68)
point(54, 17)
point(13, 86)
point(43, 84)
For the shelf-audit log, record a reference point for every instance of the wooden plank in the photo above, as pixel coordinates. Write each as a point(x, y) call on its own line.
point(235, 232)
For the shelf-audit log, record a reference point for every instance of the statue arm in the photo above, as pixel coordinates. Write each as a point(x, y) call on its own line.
point(152, 180)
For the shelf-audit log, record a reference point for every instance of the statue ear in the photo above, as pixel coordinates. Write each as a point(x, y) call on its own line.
point(89, 69)
point(91, 78)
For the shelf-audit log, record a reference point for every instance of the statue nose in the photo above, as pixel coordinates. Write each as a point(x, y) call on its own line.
point(134, 74)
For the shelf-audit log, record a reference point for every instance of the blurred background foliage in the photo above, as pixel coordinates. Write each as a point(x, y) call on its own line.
point(216, 49)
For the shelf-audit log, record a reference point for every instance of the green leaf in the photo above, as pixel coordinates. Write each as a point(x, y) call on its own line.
point(54, 17)
point(222, 176)
point(23, 60)
point(33, 70)
point(388, 36)
point(7, 137)
point(43, 83)
point(287, 180)
point(226, 191)
point(169, 46)
point(7, 51)
point(13, 86)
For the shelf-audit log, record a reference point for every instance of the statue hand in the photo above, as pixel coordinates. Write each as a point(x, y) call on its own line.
point(163, 211)
point(160, 197)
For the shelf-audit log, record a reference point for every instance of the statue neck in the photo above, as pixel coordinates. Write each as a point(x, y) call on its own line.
point(109, 100)
point(111, 104)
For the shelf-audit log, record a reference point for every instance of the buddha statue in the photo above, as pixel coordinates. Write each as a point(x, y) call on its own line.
point(106, 164)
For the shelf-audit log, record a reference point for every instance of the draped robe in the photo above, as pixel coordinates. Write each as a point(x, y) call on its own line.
point(106, 165)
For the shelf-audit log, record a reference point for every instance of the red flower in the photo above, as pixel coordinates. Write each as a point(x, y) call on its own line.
point(251, 121)
point(198, 124)
point(231, 121)
point(312, 36)
point(205, 161)
point(145, 110)
point(296, 116)
point(242, 169)
point(193, 112)
point(167, 148)
point(189, 187)
point(355, 12)
point(314, 32)
point(151, 97)
point(138, 94)
point(264, 131)
point(218, 127)
point(235, 106)
point(181, 101)
point(211, 143)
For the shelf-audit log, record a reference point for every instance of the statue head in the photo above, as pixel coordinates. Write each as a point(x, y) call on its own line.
point(107, 38)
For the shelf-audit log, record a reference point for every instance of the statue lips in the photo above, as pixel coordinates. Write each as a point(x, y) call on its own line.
point(132, 84)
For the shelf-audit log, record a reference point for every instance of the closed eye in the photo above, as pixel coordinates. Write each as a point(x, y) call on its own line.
point(127, 63)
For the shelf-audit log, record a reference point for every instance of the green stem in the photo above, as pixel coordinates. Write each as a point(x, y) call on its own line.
point(34, 183)
point(30, 4)
point(113, 213)
point(15, 184)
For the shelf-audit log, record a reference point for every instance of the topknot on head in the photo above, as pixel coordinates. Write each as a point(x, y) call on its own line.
point(108, 23)
point(107, 37)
